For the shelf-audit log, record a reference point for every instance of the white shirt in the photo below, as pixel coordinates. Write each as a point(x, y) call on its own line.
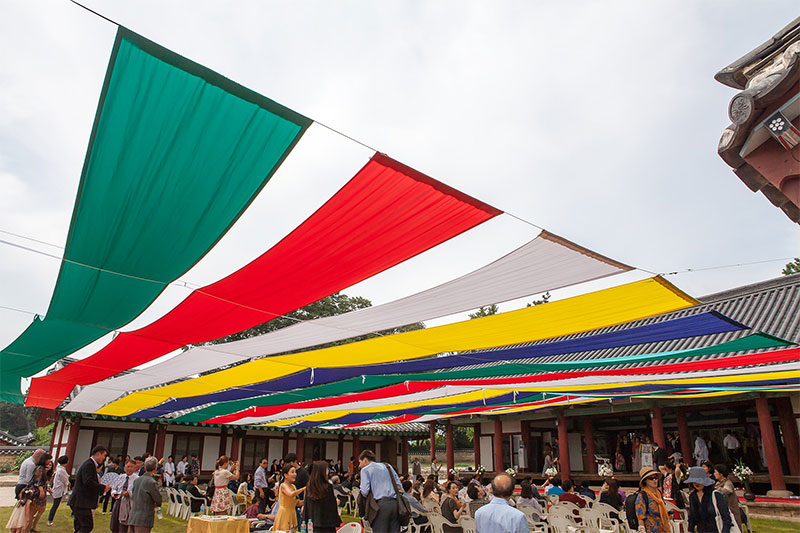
point(181, 467)
point(700, 450)
point(116, 487)
point(26, 471)
point(730, 442)
point(60, 481)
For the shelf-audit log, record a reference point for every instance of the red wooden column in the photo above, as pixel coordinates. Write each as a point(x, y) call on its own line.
point(72, 443)
point(525, 427)
point(404, 455)
point(161, 435)
point(658, 426)
point(770, 444)
point(151, 438)
point(433, 440)
point(498, 445)
point(683, 434)
point(476, 444)
point(301, 448)
point(340, 450)
point(223, 441)
point(588, 434)
point(563, 447)
point(356, 448)
point(450, 447)
point(285, 449)
point(789, 432)
point(235, 444)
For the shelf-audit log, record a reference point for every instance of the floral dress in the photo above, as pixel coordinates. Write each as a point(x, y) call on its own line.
point(221, 503)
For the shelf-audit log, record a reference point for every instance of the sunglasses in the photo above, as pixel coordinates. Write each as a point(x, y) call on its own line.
point(651, 478)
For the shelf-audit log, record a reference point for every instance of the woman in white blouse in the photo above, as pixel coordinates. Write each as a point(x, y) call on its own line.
point(60, 486)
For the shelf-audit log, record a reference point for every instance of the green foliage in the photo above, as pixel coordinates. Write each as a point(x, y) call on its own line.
point(21, 457)
point(462, 439)
point(42, 436)
point(543, 300)
point(485, 311)
point(17, 419)
point(792, 268)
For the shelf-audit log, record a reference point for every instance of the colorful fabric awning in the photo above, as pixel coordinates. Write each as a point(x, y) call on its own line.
point(700, 324)
point(176, 154)
point(384, 215)
point(546, 263)
point(581, 313)
point(379, 386)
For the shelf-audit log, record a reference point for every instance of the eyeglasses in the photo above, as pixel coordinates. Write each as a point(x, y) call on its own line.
point(651, 478)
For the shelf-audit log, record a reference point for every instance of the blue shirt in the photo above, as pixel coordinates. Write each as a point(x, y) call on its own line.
point(555, 491)
point(499, 517)
point(375, 476)
point(260, 480)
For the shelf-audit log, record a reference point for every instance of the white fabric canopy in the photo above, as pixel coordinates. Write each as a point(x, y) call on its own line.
point(546, 263)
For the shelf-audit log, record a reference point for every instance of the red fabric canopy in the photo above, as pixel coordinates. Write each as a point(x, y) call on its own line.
point(413, 387)
point(386, 214)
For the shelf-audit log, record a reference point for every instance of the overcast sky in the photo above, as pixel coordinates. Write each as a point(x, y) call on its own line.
point(596, 120)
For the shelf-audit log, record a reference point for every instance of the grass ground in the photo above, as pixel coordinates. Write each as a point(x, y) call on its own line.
point(63, 523)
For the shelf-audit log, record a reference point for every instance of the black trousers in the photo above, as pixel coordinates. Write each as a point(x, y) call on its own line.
point(53, 509)
point(387, 520)
point(83, 520)
point(104, 499)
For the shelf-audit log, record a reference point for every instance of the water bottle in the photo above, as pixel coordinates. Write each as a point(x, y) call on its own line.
point(303, 527)
point(158, 514)
point(310, 526)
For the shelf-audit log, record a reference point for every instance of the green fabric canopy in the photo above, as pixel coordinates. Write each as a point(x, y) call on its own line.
point(177, 153)
point(353, 385)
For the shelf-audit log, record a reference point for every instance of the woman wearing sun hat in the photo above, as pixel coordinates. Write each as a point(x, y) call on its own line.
point(651, 511)
point(708, 510)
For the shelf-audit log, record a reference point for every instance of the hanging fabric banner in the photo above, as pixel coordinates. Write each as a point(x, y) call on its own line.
point(176, 154)
point(385, 214)
point(587, 312)
point(546, 263)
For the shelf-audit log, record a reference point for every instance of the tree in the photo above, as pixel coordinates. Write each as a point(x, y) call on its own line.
point(17, 419)
point(792, 268)
point(543, 300)
point(485, 311)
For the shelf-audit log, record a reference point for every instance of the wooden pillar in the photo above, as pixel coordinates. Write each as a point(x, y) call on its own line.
point(658, 426)
point(525, 428)
point(356, 447)
point(450, 451)
point(563, 447)
point(770, 444)
point(151, 439)
point(72, 443)
point(236, 443)
point(433, 440)
point(685, 437)
point(161, 434)
point(498, 445)
point(476, 444)
point(588, 434)
point(404, 455)
point(340, 449)
point(285, 444)
point(223, 441)
point(789, 432)
point(301, 448)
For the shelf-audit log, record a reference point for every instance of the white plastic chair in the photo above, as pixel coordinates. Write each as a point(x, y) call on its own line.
point(171, 501)
point(351, 527)
point(467, 524)
point(188, 499)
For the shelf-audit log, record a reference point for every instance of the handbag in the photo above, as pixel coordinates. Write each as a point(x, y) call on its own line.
point(718, 516)
point(403, 507)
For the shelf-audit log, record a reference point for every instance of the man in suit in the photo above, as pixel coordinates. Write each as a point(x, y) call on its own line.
point(87, 490)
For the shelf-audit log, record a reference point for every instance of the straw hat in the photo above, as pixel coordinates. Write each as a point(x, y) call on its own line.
point(645, 472)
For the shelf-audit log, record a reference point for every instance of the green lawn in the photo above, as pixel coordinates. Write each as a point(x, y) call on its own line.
point(63, 523)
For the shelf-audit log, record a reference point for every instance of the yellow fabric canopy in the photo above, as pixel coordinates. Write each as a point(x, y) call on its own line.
point(586, 312)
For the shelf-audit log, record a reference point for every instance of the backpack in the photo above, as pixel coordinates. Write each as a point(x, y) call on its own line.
point(630, 508)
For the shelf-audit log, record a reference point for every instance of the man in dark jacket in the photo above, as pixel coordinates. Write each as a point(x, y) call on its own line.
point(660, 456)
point(146, 497)
point(87, 490)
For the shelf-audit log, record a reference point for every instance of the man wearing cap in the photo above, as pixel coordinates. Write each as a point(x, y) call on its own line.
point(651, 511)
point(703, 509)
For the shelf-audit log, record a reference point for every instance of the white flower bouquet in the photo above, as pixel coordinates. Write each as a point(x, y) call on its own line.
point(742, 471)
point(511, 472)
point(605, 470)
point(551, 472)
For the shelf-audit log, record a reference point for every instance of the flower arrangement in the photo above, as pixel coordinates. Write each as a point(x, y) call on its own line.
point(742, 471)
point(605, 470)
point(551, 472)
point(480, 470)
point(452, 471)
point(511, 472)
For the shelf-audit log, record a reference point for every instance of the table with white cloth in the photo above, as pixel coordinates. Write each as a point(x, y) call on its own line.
point(202, 524)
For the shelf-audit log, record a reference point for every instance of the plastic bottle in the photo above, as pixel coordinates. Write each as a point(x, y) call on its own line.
point(158, 514)
point(310, 526)
point(303, 527)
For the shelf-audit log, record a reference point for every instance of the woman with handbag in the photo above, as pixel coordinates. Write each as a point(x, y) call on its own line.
point(708, 510)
